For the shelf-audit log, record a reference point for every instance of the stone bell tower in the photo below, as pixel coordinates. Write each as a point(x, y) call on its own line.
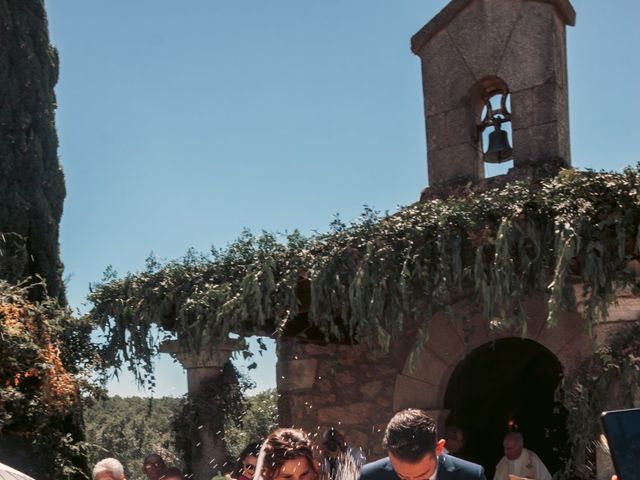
point(489, 66)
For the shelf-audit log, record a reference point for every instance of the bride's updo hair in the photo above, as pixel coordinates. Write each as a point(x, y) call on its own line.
point(282, 445)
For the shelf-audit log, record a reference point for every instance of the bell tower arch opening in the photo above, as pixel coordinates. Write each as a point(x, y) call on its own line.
point(504, 385)
point(491, 106)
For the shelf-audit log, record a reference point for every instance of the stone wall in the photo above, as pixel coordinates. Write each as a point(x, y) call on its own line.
point(356, 390)
point(351, 388)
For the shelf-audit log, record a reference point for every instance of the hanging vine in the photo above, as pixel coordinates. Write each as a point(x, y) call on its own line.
point(609, 379)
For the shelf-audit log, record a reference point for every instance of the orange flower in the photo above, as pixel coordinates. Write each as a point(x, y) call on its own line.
point(58, 387)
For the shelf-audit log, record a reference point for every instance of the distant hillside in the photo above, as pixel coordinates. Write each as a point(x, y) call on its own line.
point(130, 428)
point(258, 420)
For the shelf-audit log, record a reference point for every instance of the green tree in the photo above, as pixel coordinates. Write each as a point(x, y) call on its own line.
point(129, 429)
point(32, 187)
point(44, 351)
point(43, 348)
point(132, 427)
point(258, 420)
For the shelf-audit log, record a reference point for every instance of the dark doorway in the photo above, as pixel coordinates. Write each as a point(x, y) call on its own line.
point(508, 384)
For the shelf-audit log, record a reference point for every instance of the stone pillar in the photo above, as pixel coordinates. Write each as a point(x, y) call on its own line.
point(204, 370)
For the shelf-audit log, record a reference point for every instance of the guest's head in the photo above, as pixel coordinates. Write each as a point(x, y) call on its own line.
point(108, 469)
point(287, 455)
point(247, 461)
point(412, 444)
point(151, 466)
point(513, 443)
point(454, 437)
point(170, 473)
point(333, 442)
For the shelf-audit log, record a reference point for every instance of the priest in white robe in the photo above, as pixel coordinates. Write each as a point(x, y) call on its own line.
point(519, 461)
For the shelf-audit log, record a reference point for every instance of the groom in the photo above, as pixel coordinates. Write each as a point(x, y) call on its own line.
point(415, 453)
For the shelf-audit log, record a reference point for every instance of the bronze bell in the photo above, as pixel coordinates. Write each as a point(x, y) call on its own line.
point(499, 148)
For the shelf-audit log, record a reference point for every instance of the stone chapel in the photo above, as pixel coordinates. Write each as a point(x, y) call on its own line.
point(487, 66)
point(495, 92)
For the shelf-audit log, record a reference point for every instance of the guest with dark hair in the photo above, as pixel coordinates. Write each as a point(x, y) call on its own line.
point(287, 454)
point(338, 455)
point(454, 440)
point(415, 453)
point(245, 467)
point(151, 466)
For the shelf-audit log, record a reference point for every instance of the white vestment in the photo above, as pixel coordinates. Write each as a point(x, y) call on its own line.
point(528, 465)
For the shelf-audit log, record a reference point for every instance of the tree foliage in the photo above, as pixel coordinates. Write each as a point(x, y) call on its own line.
point(260, 417)
point(131, 428)
point(45, 352)
point(31, 179)
point(43, 347)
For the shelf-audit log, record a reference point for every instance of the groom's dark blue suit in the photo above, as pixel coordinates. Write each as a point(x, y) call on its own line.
point(449, 468)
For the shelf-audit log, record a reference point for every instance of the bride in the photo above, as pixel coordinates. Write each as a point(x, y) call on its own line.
point(287, 454)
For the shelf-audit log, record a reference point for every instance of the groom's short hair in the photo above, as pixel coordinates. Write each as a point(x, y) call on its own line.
point(410, 435)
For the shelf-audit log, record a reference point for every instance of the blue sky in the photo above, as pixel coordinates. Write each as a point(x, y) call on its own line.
point(181, 123)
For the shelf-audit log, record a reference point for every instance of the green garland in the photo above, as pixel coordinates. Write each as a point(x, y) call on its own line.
point(369, 278)
point(375, 273)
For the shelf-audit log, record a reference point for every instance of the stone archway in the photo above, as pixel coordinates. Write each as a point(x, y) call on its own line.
point(503, 381)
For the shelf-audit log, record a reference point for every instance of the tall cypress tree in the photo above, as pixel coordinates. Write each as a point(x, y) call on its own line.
point(32, 187)
point(32, 193)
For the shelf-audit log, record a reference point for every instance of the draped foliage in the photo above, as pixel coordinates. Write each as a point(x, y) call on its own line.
point(366, 281)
